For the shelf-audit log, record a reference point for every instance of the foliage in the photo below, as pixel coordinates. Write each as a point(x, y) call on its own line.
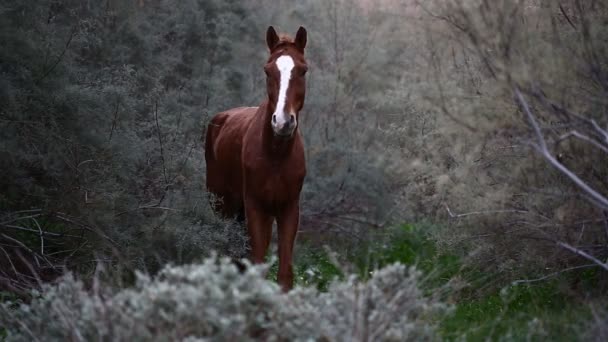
point(213, 300)
point(482, 309)
point(597, 329)
point(101, 120)
point(516, 313)
point(512, 195)
point(461, 114)
point(103, 105)
point(313, 268)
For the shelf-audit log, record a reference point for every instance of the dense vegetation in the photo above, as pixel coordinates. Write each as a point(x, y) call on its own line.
point(481, 124)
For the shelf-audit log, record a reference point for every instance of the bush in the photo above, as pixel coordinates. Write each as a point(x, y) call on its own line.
point(516, 94)
point(213, 300)
point(103, 105)
point(597, 329)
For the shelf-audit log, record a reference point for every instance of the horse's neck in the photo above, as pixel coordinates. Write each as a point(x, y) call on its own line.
point(276, 147)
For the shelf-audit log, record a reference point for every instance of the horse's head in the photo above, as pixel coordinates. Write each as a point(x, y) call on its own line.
point(285, 81)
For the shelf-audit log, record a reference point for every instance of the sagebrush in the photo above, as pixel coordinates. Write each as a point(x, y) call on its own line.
point(214, 301)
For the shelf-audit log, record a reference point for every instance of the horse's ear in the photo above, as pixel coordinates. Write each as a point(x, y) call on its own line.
point(300, 40)
point(272, 38)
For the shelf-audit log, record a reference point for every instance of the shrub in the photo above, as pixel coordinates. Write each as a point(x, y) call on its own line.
point(214, 301)
point(516, 90)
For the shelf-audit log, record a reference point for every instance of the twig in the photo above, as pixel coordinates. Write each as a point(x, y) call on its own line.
point(339, 227)
point(576, 134)
point(484, 212)
point(442, 98)
point(41, 235)
point(22, 245)
point(65, 49)
point(606, 224)
point(160, 142)
point(583, 254)
point(115, 119)
point(9, 260)
point(153, 206)
point(561, 8)
point(183, 163)
point(542, 148)
point(62, 216)
point(32, 230)
point(561, 110)
point(526, 281)
point(19, 218)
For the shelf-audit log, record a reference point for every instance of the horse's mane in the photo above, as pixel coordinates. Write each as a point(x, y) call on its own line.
point(285, 38)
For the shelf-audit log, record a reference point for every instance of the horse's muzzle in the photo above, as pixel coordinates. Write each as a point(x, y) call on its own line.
point(284, 129)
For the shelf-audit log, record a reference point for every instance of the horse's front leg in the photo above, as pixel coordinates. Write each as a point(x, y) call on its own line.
point(287, 223)
point(259, 228)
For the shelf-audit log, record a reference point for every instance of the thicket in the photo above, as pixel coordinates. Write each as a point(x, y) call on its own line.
point(484, 122)
point(103, 108)
point(521, 86)
point(215, 301)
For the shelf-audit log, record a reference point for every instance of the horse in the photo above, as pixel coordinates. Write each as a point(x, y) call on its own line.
point(255, 155)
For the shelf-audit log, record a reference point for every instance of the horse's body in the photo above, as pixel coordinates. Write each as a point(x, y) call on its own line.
point(255, 156)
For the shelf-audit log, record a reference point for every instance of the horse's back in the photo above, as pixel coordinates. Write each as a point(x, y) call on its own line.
point(223, 146)
point(227, 126)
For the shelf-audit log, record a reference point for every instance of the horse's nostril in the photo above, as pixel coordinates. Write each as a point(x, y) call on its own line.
point(292, 119)
point(274, 119)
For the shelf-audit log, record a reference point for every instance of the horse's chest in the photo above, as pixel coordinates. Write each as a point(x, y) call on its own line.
point(273, 184)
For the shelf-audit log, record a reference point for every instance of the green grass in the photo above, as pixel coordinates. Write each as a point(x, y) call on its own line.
point(411, 245)
point(516, 313)
point(541, 311)
point(313, 268)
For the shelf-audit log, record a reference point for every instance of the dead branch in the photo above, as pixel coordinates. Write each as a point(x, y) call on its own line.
point(578, 135)
point(550, 275)
point(583, 254)
point(541, 146)
point(484, 212)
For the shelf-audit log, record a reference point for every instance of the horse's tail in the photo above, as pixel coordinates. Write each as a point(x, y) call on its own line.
point(209, 138)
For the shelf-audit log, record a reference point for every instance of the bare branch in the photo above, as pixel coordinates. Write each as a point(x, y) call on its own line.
point(484, 212)
point(606, 224)
point(576, 134)
point(583, 254)
point(9, 260)
point(160, 142)
point(561, 8)
point(41, 235)
point(65, 49)
point(146, 207)
point(603, 133)
point(19, 218)
point(31, 230)
point(542, 147)
point(550, 275)
point(22, 245)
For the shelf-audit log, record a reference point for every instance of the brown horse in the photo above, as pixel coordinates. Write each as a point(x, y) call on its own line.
point(255, 157)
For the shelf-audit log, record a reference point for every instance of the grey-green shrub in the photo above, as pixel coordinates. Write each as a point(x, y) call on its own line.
point(213, 301)
point(473, 167)
point(103, 105)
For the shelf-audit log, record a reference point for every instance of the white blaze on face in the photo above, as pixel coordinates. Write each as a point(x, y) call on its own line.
point(285, 64)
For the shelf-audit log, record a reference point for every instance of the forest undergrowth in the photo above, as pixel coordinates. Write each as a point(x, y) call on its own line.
point(482, 123)
point(455, 301)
